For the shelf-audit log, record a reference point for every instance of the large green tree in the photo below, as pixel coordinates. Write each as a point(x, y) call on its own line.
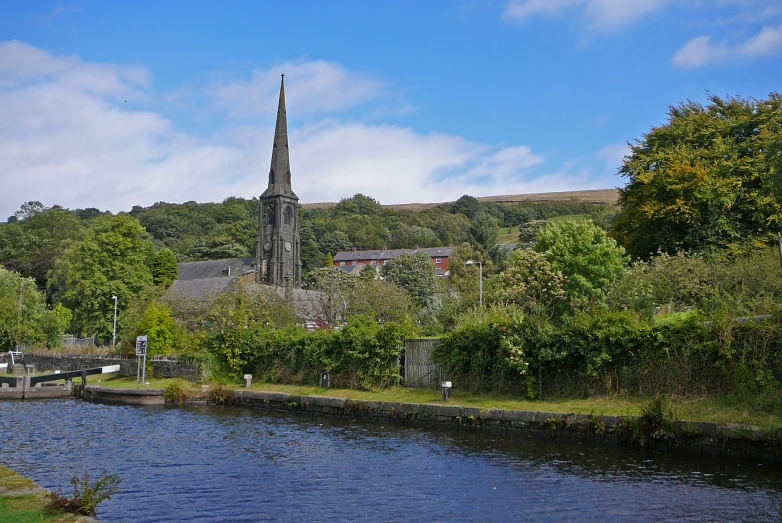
point(585, 255)
point(704, 179)
point(415, 274)
point(114, 259)
point(24, 319)
point(164, 268)
point(30, 244)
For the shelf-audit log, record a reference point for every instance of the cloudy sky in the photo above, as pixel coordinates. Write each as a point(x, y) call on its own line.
point(122, 103)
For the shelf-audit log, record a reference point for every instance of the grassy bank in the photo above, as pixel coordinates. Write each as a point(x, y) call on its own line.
point(23, 501)
point(713, 409)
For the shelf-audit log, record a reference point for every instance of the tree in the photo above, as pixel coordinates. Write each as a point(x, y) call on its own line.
point(484, 231)
point(415, 274)
point(705, 179)
point(31, 244)
point(332, 283)
point(164, 268)
point(532, 283)
point(380, 300)
point(584, 254)
point(157, 324)
point(216, 249)
point(335, 242)
point(24, 319)
point(114, 259)
point(528, 232)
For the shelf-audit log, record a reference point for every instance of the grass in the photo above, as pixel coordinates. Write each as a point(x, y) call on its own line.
point(672, 317)
point(713, 409)
point(572, 217)
point(23, 501)
point(508, 235)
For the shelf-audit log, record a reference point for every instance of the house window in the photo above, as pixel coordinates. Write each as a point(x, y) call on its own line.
point(438, 260)
point(355, 262)
point(374, 262)
point(341, 264)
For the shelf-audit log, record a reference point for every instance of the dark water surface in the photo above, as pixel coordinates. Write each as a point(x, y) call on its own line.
point(239, 465)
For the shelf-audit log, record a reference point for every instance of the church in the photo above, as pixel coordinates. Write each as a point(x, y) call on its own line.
point(277, 261)
point(278, 248)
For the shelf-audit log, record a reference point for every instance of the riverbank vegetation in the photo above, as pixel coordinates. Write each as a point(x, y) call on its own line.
point(676, 292)
point(23, 501)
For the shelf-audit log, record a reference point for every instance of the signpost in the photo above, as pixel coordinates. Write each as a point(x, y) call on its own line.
point(141, 350)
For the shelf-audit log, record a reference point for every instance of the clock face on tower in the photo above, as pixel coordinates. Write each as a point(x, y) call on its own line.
point(288, 246)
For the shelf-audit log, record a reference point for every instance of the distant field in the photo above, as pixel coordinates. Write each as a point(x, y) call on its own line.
point(607, 196)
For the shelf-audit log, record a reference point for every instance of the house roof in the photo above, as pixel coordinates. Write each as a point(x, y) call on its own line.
point(432, 252)
point(214, 268)
point(306, 303)
point(198, 289)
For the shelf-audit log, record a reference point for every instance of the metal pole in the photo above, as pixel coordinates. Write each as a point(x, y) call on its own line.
point(480, 283)
point(144, 368)
point(114, 335)
point(779, 240)
point(138, 369)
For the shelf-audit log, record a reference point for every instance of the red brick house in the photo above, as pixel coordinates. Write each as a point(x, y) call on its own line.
point(348, 259)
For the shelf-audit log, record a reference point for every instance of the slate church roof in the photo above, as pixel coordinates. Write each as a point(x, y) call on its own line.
point(198, 280)
point(215, 268)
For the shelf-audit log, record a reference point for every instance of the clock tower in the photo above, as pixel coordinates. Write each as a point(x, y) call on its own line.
point(277, 246)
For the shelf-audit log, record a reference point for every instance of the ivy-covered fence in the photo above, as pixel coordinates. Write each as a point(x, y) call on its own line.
point(615, 353)
point(362, 354)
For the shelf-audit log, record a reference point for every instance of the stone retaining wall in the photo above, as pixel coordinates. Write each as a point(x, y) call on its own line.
point(694, 437)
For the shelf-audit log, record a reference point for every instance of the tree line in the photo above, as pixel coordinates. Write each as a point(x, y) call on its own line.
point(693, 240)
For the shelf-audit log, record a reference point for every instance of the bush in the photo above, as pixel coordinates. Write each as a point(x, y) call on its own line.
point(363, 354)
point(86, 496)
point(616, 352)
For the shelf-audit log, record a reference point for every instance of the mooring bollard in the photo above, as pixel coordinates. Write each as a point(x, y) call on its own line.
point(325, 379)
point(447, 387)
point(248, 381)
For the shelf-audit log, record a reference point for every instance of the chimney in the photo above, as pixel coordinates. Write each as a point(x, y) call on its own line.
point(354, 249)
point(415, 248)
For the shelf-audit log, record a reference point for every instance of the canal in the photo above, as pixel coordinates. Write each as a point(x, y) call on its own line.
point(215, 465)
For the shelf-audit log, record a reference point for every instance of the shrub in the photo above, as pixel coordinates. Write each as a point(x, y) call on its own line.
point(86, 496)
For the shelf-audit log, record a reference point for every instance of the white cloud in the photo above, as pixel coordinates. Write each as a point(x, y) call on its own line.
point(311, 87)
point(614, 154)
point(68, 141)
point(701, 51)
point(601, 15)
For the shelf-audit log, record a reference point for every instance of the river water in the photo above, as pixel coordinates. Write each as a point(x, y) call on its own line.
point(217, 465)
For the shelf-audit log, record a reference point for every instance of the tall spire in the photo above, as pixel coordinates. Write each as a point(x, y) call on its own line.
point(280, 170)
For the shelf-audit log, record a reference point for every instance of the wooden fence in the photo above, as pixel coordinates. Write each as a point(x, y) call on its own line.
point(420, 370)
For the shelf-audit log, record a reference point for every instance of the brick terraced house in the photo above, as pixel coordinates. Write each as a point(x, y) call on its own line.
point(350, 260)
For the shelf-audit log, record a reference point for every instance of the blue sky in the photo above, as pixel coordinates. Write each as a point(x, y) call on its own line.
point(112, 104)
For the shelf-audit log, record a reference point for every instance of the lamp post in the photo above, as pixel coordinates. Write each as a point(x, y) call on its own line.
point(480, 277)
point(114, 335)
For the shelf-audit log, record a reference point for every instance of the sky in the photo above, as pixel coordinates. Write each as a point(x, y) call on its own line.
point(123, 103)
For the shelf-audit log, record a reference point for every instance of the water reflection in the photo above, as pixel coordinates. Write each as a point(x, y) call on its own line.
point(240, 465)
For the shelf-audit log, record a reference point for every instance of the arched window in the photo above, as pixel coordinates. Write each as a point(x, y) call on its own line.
point(288, 215)
point(268, 215)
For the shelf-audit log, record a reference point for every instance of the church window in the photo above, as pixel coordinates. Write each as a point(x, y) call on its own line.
point(268, 215)
point(288, 217)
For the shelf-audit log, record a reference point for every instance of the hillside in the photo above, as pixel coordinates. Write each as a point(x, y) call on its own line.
point(604, 196)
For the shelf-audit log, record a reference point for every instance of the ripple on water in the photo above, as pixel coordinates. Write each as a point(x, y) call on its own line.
point(238, 465)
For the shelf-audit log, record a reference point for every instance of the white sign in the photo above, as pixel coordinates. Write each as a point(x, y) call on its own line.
point(141, 345)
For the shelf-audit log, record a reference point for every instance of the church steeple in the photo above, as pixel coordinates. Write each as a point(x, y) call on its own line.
point(280, 170)
point(278, 245)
